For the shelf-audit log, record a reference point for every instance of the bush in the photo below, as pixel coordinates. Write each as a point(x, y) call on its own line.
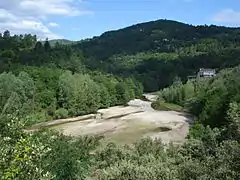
point(158, 105)
point(61, 113)
point(37, 117)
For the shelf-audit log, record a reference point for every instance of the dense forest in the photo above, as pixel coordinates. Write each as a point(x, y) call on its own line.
point(40, 82)
point(52, 82)
point(158, 51)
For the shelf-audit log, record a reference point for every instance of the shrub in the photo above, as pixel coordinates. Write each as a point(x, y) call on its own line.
point(61, 113)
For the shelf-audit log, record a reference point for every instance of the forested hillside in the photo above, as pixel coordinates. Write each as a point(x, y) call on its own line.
point(156, 52)
point(60, 41)
point(42, 82)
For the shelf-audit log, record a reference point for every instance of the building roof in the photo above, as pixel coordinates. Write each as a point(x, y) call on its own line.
point(206, 69)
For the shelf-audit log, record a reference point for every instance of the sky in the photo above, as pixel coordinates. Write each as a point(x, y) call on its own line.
point(80, 19)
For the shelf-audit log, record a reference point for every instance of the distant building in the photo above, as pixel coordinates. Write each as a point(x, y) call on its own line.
point(203, 73)
point(206, 72)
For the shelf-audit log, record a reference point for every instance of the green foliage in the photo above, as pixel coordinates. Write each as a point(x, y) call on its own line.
point(43, 154)
point(47, 46)
point(157, 51)
point(37, 117)
point(39, 47)
point(233, 115)
point(16, 93)
point(44, 93)
point(123, 95)
point(105, 97)
point(58, 42)
point(71, 157)
point(25, 159)
point(160, 105)
point(150, 159)
point(46, 79)
point(78, 93)
point(155, 36)
point(214, 101)
point(61, 113)
point(21, 154)
point(176, 93)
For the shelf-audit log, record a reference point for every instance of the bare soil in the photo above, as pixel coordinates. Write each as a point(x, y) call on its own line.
point(128, 124)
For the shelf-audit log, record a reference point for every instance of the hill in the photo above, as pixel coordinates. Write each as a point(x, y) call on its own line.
point(154, 36)
point(156, 52)
point(60, 41)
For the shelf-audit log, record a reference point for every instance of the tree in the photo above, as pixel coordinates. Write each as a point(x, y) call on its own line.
point(39, 47)
point(6, 34)
point(47, 45)
point(234, 121)
point(122, 93)
point(78, 93)
point(18, 95)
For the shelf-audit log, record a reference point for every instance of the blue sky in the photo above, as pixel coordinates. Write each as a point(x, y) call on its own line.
point(78, 19)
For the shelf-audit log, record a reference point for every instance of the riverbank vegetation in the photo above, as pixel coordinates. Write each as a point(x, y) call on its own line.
point(210, 99)
point(161, 105)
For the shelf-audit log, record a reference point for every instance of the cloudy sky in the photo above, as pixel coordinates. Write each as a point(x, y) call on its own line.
point(78, 19)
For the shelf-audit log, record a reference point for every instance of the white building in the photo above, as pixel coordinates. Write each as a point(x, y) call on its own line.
point(206, 72)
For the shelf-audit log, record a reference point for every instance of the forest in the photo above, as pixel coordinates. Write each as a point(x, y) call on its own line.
point(41, 82)
point(52, 82)
point(156, 52)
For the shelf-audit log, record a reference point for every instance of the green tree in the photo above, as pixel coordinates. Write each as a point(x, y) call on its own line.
point(234, 125)
point(6, 34)
point(47, 45)
point(39, 47)
point(17, 95)
point(122, 93)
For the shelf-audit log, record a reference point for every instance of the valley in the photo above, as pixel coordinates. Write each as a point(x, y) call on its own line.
point(75, 110)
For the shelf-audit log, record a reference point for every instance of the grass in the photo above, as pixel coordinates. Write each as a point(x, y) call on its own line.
point(173, 107)
point(163, 106)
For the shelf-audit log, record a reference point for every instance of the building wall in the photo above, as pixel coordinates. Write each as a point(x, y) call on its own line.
point(207, 73)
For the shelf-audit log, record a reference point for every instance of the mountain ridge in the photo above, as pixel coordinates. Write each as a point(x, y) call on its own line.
point(156, 52)
point(159, 35)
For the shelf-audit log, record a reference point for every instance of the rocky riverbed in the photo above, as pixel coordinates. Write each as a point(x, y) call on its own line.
point(126, 124)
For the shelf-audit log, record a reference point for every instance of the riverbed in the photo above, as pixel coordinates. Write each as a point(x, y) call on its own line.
point(127, 124)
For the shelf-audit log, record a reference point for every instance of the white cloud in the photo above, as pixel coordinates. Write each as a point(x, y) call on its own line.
point(53, 24)
point(27, 16)
point(29, 26)
point(51, 7)
point(227, 16)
